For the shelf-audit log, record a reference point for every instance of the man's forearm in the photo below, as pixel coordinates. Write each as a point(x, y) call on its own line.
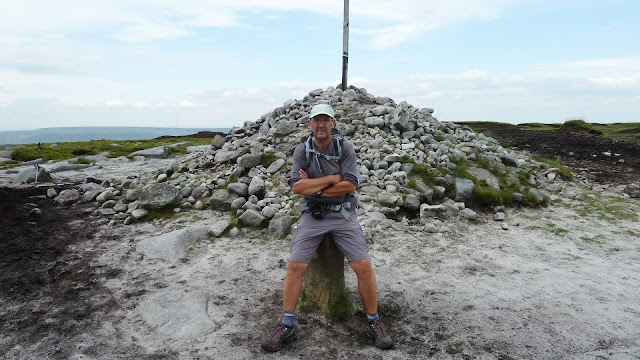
point(311, 186)
point(342, 188)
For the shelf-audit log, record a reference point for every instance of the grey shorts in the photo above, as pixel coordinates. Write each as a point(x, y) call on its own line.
point(348, 237)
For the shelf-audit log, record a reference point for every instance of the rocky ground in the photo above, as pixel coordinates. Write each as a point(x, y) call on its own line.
point(559, 282)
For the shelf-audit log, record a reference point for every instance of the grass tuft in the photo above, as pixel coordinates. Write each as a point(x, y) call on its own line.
point(267, 158)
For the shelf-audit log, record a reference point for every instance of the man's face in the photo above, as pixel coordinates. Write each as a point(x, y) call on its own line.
point(321, 126)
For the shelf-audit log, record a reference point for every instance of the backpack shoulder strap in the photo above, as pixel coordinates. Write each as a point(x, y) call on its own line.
point(308, 149)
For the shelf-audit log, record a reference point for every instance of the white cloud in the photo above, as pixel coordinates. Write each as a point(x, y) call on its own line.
point(150, 31)
point(399, 20)
point(630, 63)
point(187, 103)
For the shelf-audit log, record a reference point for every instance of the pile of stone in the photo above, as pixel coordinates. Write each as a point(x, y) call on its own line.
point(244, 174)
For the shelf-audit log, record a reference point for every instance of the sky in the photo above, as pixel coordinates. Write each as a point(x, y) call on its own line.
point(213, 63)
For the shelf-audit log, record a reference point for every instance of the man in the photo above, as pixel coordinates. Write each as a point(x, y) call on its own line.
point(325, 172)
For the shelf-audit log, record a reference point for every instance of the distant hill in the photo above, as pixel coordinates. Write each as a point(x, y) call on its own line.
point(65, 134)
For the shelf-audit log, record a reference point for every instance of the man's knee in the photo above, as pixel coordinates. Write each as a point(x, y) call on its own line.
point(361, 267)
point(296, 268)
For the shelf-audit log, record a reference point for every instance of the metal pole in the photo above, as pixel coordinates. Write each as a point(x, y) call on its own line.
point(37, 165)
point(345, 44)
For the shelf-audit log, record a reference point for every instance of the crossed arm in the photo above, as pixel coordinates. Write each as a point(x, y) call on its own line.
point(331, 185)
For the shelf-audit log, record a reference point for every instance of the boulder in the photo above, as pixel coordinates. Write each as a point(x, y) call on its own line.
point(199, 148)
point(374, 121)
point(426, 193)
point(250, 160)
point(257, 187)
point(132, 195)
point(484, 175)
point(252, 218)
point(218, 142)
point(280, 227)
point(159, 196)
point(198, 192)
point(158, 152)
point(509, 160)
point(284, 128)
point(464, 189)
point(468, 214)
point(219, 228)
point(389, 199)
point(412, 202)
point(139, 213)
point(221, 199)
point(275, 166)
point(29, 175)
point(67, 197)
point(432, 211)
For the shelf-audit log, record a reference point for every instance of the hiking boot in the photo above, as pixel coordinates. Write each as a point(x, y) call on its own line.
point(379, 333)
point(280, 335)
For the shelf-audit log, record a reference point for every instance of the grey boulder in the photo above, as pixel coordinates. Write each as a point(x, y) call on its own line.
point(252, 218)
point(279, 227)
point(159, 196)
point(29, 175)
point(158, 152)
point(221, 199)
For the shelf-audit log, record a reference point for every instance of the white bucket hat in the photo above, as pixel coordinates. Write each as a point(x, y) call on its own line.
point(321, 109)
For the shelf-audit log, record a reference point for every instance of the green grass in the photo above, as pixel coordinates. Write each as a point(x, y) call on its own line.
point(560, 231)
point(482, 161)
point(580, 123)
point(68, 150)
point(267, 158)
point(83, 160)
point(537, 127)
point(488, 196)
point(612, 250)
point(622, 131)
point(166, 213)
point(593, 240)
point(563, 172)
point(608, 210)
point(341, 309)
point(531, 199)
point(524, 176)
point(462, 170)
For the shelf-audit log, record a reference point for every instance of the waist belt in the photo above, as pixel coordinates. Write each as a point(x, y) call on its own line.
point(341, 208)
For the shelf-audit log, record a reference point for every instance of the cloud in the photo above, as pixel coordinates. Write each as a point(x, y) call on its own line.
point(399, 20)
point(630, 63)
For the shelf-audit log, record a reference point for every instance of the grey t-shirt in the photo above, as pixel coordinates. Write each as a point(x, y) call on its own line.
point(347, 166)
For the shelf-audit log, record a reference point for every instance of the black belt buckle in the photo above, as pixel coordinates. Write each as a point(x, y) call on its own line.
point(317, 211)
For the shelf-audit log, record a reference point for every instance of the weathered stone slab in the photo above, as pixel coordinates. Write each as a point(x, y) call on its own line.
point(178, 315)
point(171, 246)
point(159, 152)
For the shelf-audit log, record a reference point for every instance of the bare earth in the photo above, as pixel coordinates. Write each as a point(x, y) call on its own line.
point(561, 282)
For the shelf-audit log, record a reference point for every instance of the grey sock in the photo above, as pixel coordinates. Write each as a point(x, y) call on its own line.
point(372, 317)
point(287, 318)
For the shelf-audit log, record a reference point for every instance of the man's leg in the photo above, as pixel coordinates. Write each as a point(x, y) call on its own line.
point(293, 285)
point(285, 331)
point(366, 285)
point(369, 293)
